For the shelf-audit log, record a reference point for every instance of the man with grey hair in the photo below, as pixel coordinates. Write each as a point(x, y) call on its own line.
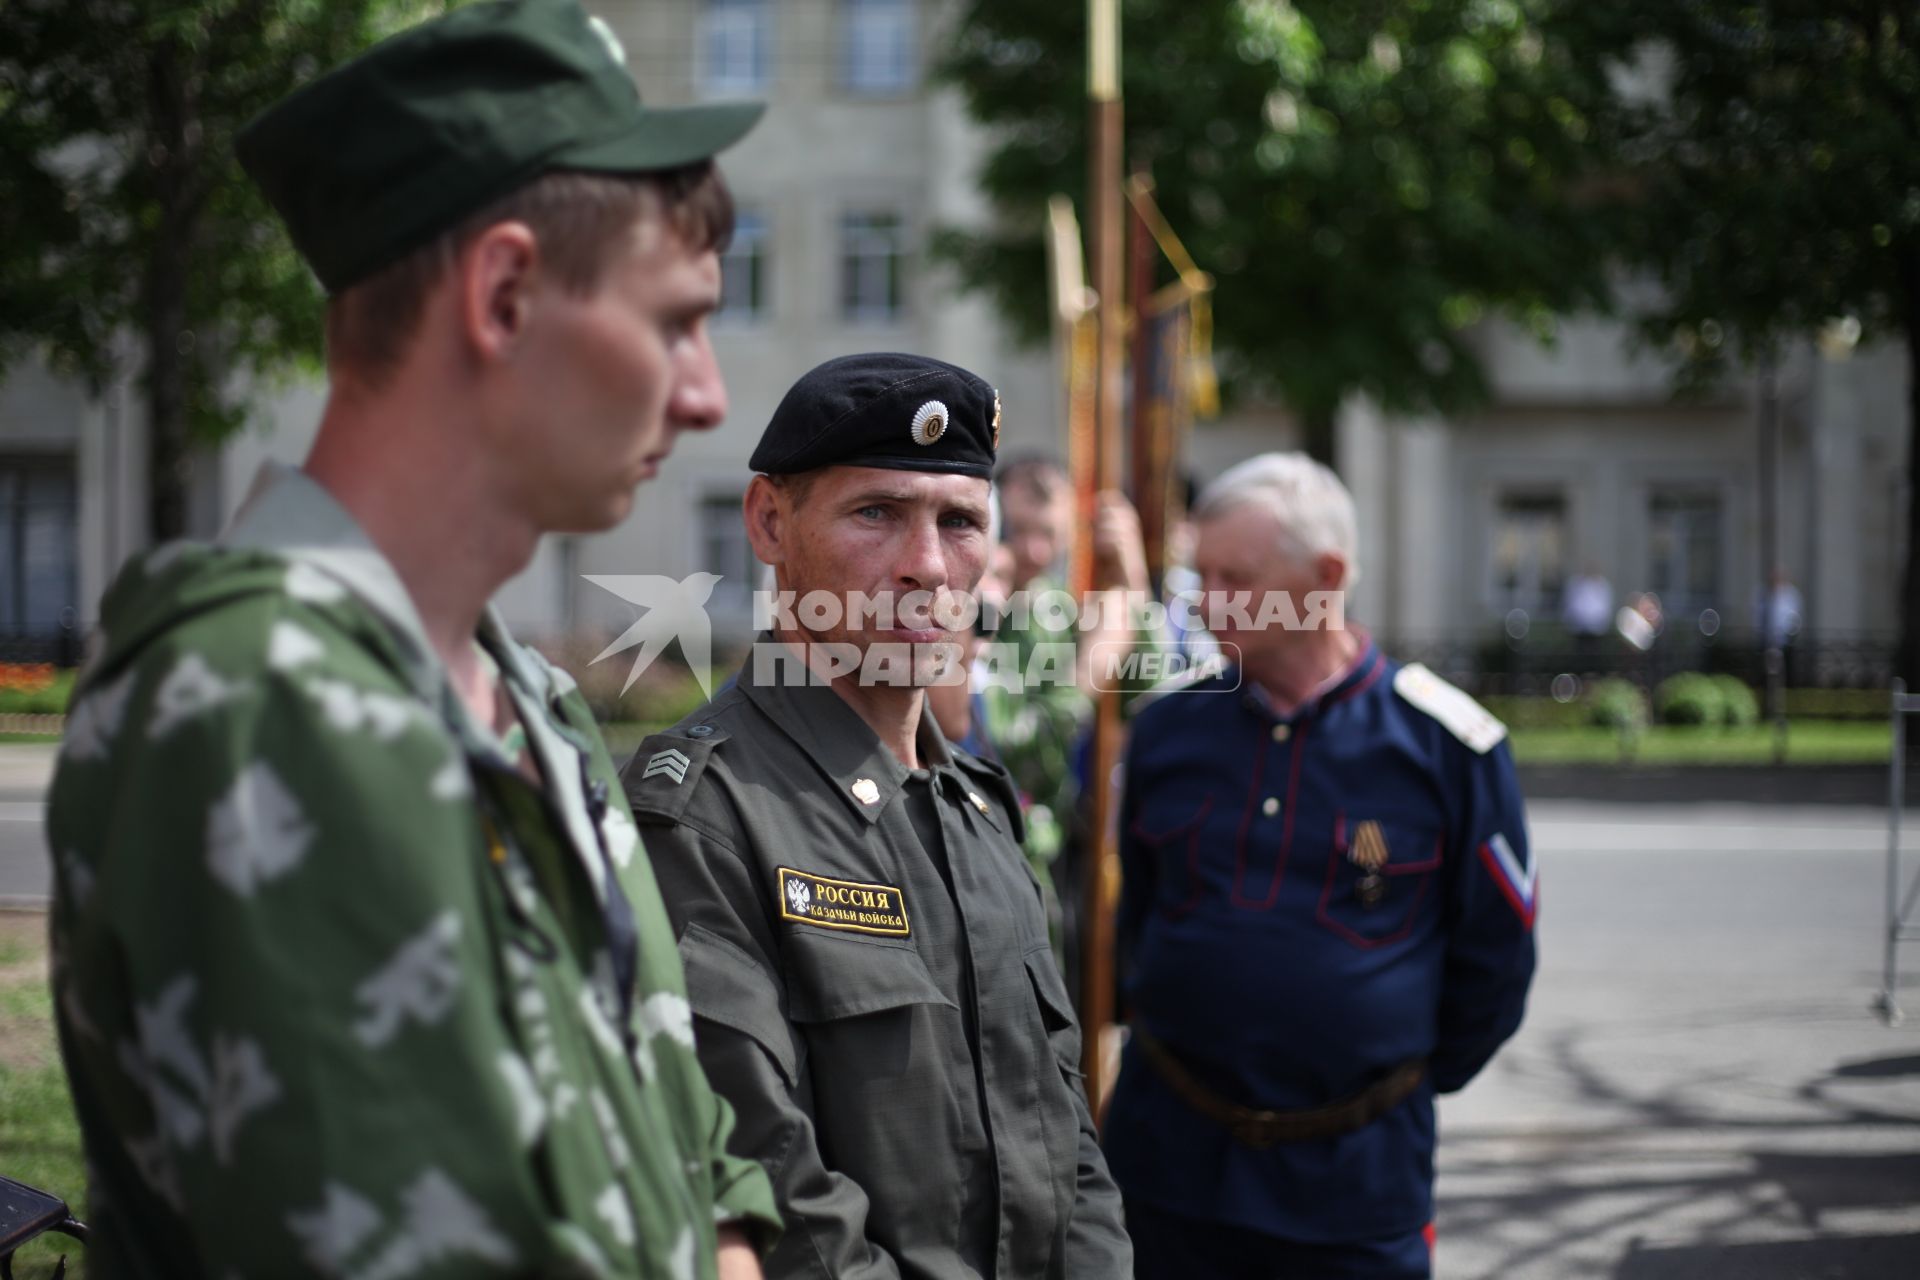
point(1326, 918)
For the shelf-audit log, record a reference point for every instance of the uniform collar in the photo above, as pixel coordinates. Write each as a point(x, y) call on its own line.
point(289, 514)
point(1353, 679)
point(842, 746)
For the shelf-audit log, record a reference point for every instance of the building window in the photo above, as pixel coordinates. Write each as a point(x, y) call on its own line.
point(1683, 550)
point(743, 270)
point(733, 47)
point(724, 550)
point(1529, 553)
point(877, 46)
point(872, 267)
point(38, 581)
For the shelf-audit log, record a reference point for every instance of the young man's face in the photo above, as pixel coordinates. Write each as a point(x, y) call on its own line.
point(609, 378)
point(873, 530)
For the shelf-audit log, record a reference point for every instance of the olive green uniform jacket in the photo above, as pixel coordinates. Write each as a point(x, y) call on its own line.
point(884, 1016)
point(340, 991)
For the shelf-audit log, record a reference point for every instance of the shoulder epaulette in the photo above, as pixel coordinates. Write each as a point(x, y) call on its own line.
point(1464, 718)
point(666, 770)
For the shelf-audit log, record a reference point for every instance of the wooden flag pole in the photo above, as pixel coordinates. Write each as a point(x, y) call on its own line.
point(1109, 252)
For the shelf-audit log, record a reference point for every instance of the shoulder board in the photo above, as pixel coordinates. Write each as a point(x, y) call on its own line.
point(1464, 718)
point(666, 770)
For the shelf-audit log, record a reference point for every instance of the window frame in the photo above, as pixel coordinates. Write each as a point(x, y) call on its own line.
point(867, 29)
point(1542, 598)
point(733, 21)
point(752, 239)
point(853, 308)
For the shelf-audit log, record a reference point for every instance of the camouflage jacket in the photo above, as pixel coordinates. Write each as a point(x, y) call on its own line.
point(339, 990)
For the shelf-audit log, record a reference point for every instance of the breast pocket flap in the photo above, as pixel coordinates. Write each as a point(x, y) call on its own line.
point(835, 977)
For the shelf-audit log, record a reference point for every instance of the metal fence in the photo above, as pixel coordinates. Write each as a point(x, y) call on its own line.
point(63, 648)
point(1492, 663)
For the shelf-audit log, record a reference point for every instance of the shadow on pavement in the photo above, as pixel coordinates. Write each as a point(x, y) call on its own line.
point(1820, 1184)
point(1851, 1258)
point(1879, 1068)
point(1547, 1202)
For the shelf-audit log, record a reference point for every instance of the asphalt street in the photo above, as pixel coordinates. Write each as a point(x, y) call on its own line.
point(24, 873)
point(1700, 1090)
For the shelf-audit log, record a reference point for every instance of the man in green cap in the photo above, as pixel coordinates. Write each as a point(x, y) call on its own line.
point(361, 968)
point(866, 949)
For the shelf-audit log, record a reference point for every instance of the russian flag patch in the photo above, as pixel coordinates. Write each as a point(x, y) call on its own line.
point(1518, 881)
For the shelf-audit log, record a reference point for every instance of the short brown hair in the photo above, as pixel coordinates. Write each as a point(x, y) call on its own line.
point(578, 218)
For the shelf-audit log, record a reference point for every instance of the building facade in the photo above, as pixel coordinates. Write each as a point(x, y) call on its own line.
point(1583, 463)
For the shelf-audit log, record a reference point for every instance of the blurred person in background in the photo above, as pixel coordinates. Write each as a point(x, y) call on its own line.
point(960, 704)
point(1781, 619)
point(1039, 699)
point(360, 966)
point(1326, 919)
point(1587, 609)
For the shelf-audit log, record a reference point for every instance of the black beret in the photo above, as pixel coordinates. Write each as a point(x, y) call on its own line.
point(383, 153)
point(884, 409)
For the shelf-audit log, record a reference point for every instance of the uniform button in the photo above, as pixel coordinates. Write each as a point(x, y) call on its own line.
point(1281, 732)
point(700, 731)
point(1270, 806)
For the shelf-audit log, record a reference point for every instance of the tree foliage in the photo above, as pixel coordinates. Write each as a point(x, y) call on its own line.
point(129, 236)
point(1368, 179)
point(1779, 189)
point(1777, 181)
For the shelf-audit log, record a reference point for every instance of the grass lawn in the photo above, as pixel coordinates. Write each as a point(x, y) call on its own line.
point(1808, 742)
point(39, 1141)
point(29, 737)
point(625, 735)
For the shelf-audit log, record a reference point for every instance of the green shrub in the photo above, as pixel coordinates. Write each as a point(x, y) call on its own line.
point(1836, 704)
point(1619, 704)
point(1522, 711)
point(664, 693)
point(1689, 698)
point(1739, 707)
point(34, 690)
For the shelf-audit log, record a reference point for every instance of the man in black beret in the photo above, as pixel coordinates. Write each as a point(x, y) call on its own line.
point(866, 951)
point(363, 970)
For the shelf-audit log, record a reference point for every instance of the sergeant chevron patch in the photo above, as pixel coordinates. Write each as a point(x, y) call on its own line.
point(1518, 882)
point(670, 762)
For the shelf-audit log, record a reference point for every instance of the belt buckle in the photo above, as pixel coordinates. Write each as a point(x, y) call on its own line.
point(1258, 1132)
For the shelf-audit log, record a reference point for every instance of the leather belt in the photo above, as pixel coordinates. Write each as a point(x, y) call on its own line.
point(1260, 1129)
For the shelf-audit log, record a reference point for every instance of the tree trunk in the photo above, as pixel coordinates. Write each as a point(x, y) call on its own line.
point(168, 460)
point(1908, 663)
point(174, 153)
point(1317, 430)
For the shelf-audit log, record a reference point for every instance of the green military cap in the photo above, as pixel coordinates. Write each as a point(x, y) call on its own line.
point(883, 409)
point(380, 155)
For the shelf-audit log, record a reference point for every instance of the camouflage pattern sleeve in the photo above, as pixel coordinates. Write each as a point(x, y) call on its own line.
point(285, 989)
point(742, 1192)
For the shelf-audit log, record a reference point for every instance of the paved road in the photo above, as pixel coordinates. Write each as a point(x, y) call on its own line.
point(23, 859)
point(1700, 1090)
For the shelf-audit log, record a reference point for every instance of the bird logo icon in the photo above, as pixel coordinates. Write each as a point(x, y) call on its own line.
point(675, 610)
